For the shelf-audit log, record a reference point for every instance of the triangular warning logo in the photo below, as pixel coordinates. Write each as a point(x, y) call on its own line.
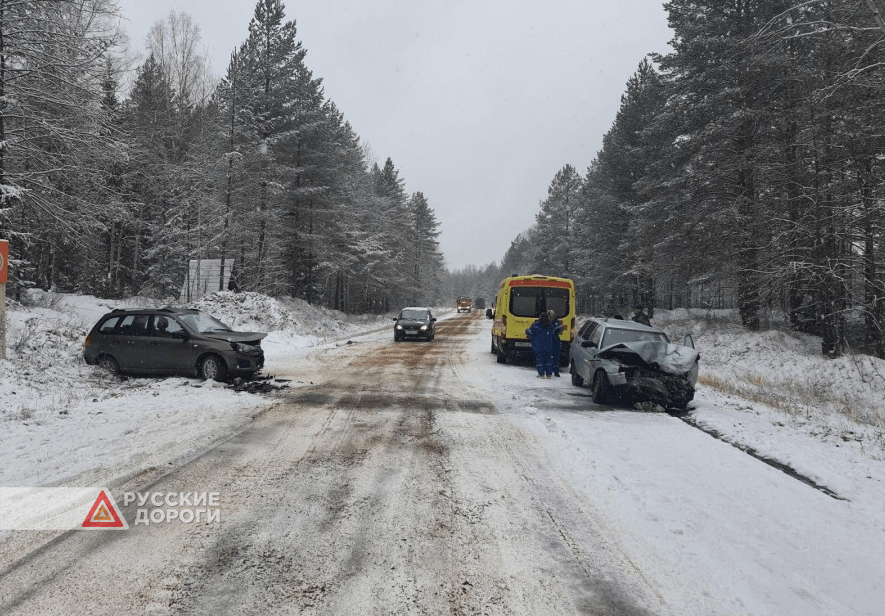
point(104, 514)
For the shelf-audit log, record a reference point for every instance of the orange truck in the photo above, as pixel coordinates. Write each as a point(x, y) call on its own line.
point(464, 304)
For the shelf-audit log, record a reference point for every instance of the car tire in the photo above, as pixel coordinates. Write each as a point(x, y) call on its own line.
point(213, 368)
point(577, 379)
point(493, 351)
point(600, 388)
point(396, 338)
point(110, 364)
point(502, 356)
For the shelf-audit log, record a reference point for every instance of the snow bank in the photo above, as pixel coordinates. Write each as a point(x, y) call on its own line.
point(62, 420)
point(256, 312)
point(782, 365)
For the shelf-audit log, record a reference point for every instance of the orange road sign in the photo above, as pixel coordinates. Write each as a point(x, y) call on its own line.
point(4, 260)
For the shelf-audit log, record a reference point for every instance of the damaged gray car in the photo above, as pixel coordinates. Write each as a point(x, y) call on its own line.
point(621, 359)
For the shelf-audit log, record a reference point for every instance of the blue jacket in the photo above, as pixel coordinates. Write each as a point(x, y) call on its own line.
point(557, 329)
point(544, 339)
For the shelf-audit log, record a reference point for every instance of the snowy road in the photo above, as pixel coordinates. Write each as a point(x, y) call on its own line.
point(424, 478)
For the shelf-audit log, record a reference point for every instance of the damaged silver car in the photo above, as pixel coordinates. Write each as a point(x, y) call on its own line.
point(631, 361)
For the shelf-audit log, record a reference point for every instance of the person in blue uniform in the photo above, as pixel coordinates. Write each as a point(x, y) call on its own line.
point(544, 334)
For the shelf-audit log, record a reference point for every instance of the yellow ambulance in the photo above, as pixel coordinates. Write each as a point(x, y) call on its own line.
point(521, 300)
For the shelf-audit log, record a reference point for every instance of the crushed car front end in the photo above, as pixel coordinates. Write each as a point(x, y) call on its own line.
point(241, 351)
point(657, 372)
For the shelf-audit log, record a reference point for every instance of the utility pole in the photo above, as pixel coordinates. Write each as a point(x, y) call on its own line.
point(4, 267)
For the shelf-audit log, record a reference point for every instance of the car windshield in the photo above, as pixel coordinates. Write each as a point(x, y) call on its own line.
point(614, 335)
point(415, 315)
point(533, 301)
point(203, 323)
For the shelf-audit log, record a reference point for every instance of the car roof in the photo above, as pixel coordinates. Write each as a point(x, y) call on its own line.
point(624, 324)
point(125, 311)
point(416, 308)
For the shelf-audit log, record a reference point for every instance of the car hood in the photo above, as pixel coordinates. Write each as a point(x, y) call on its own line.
point(244, 337)
point(668, 357)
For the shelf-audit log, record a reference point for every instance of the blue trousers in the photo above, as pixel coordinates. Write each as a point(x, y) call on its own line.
point(544, 363)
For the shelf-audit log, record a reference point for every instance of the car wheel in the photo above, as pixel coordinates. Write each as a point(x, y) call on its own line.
point(493, 346)
point(502, 356)
point(600, 388)
point(396, 338)
point(110, 364)
point(577, 379)
point(213, 368)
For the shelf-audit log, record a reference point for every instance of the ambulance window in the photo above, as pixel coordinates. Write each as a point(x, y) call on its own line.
point(557, 300)
point(525, 301)
point(532, 301)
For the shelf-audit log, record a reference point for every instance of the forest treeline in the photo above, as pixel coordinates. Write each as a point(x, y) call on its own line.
point(743, 169)
point(113, 193)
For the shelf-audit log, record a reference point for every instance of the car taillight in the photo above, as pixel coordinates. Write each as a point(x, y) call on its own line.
point(86, 342)
point(504, 322)
point(571, 333)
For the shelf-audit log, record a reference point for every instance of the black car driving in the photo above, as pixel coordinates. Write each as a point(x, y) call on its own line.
point(414, 322)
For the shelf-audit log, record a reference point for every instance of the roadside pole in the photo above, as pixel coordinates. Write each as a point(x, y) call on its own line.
point(4, 267)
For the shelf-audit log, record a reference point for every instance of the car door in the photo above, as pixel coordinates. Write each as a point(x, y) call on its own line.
point(581, 352)
point(110, 339)
point(171, 352)
point(130, 343)
point(590, 363)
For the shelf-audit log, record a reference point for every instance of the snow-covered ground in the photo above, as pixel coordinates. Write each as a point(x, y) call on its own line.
point(60, 418)
point(719, 532)
point(65, 423)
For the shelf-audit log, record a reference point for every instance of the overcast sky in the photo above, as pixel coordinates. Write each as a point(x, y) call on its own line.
point(477, 102)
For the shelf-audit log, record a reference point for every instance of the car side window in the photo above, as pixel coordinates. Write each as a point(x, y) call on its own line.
point(596, 336)
point(163, 326)
point(125, 325)
point(133, 325)
point(587, 329)
point(108, 326)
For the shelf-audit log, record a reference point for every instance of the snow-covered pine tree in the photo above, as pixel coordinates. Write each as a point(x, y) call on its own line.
point(427, 262)
point(55, 137)
point(554, 225)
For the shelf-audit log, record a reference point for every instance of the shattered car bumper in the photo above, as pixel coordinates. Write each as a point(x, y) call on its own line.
point(662, 373)
point(665, 390)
